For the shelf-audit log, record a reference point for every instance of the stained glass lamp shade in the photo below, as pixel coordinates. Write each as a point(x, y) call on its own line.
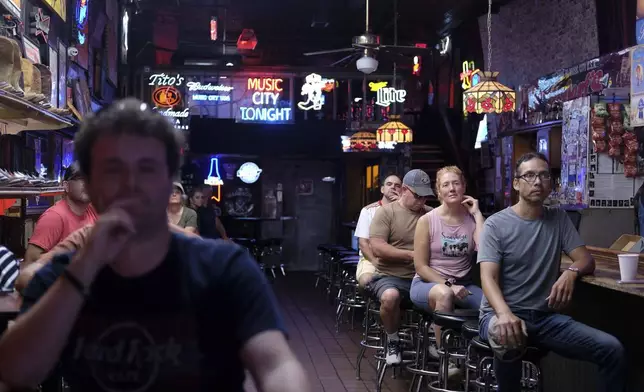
point(394, 131)
point(489, 96)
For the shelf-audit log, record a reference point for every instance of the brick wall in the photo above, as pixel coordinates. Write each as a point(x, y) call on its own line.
point(531, 38)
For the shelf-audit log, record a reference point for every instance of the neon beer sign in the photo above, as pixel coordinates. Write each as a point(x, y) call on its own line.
point(264, 105)
point(470, 75)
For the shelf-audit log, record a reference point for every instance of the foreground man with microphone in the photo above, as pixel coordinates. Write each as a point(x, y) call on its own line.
point(138, 307)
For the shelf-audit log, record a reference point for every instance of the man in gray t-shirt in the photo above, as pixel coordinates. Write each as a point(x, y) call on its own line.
point(520, 258)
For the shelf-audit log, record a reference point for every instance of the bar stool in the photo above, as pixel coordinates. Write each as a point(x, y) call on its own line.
point(268, 248)
point(425, 364)
point(334, 270)
point(452, 343)
point(372, 336)
point(408, 334)
point(324, 251)
point(480, 360)
point(349, 297)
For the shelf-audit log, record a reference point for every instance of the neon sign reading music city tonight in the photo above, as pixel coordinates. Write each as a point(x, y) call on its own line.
point(265, 101)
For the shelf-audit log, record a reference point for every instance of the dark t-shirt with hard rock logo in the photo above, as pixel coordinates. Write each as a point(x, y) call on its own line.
point(171, 329)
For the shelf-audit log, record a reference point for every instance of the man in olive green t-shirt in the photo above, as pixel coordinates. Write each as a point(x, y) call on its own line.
point(391, 236)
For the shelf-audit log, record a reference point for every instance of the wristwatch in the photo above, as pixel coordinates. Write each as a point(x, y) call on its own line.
point(449, 282)
point(574, 269)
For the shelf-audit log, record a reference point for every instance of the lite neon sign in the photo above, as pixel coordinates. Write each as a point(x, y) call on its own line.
point(470, 75)
point(385, 96)
point(265, 99)
point(214, 179)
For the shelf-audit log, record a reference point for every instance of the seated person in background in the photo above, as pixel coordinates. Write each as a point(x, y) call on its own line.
point(444, 243)
point(520, 258)
point(178, 214)
point(390, 190)
point(9, 269)
point(72, 243)
point(210, 225)
point(391, 236)
point(63, 218)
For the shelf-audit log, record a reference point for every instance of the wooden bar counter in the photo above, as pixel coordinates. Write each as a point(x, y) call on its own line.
point(601, 302)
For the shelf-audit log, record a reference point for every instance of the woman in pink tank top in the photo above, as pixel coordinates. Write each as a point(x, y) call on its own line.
point(444, 242)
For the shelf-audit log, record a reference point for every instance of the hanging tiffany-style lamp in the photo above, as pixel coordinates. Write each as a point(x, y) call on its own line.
point(394, 131)
point(489, 96)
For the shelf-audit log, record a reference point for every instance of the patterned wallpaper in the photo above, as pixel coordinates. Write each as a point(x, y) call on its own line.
point(531, 38)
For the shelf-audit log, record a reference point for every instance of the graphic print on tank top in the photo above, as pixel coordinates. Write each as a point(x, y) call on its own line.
point(454, 245)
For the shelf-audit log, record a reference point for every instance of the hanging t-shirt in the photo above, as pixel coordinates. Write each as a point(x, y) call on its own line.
point(166, 330)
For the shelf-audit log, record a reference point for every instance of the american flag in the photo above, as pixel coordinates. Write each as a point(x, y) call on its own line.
point(9, 269)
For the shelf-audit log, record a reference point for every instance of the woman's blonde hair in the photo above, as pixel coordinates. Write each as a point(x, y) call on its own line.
point(443, 171)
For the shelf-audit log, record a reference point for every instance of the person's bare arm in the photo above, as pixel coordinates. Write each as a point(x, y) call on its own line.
point(177, 229)
point(583, 260)
point(492, 288)
point(28, 351)
point(422, 253)
point(26, 274)
point(480, 222)
point(32, 254)
point(220, 228)
point(365, 248)
point(382, 250)
point(273, 365)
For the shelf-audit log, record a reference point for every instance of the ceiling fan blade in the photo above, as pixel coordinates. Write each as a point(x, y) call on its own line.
point(329, 51)
point(348, 58)
point(411, 50)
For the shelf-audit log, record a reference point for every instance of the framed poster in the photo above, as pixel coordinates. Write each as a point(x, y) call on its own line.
point(62, 76)
point(14, 6)
point(59, 7)
point(53, 67)
point(32, 51)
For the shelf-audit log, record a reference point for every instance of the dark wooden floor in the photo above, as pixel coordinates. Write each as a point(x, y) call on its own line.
point(329, 358)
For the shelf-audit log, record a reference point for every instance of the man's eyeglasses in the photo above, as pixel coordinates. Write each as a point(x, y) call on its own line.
point(532, 177)
point(416, 196)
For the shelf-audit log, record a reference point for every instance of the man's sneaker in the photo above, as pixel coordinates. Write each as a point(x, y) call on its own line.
point(453, 370)
point(394, 357)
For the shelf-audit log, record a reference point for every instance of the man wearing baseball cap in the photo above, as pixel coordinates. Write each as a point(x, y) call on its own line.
point(391, 236)
point(63, 218)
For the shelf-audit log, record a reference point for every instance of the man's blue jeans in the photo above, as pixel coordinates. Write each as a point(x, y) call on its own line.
point(564, 336)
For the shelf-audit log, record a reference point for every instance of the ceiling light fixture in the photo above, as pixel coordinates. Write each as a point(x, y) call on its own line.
point(367, 64)
point(489, 96)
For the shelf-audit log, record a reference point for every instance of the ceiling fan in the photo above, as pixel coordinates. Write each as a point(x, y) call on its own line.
point(366, 46)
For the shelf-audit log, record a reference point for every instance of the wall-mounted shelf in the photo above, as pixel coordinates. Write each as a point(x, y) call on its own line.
point(21, 115)
point(20, 192)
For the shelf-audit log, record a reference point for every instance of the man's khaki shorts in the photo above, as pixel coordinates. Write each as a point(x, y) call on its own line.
point(364, 267)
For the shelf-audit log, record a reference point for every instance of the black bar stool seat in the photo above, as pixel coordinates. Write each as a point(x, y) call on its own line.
point(330, 247)
point(470, 329)
point(455, 319)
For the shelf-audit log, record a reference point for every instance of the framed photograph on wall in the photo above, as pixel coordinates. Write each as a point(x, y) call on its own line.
point(62, 76)
point(53, 67)
point(32, 51)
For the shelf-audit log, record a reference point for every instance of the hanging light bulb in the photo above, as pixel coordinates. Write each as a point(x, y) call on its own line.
point(489, 95)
